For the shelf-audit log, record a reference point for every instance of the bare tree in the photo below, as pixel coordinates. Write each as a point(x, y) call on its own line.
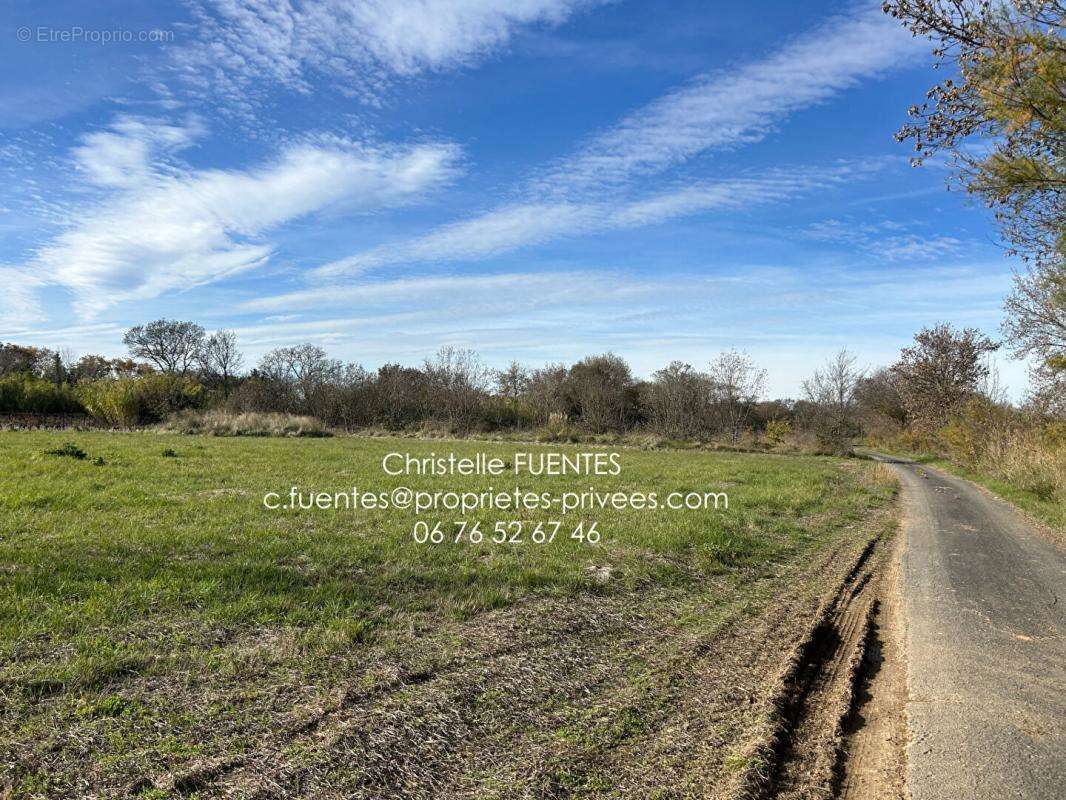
point(546, 391)
point(878, 396)
point(1047, 392)
point(832, 389)
point(400, 394)
point(511, 382)
point(737, 383)
point(171, 345)
point(1036, 316)
point(679, 399)
point(940, 372)
point(600, 389)
point(220, 359)
point(458, 381)
point(304, 369)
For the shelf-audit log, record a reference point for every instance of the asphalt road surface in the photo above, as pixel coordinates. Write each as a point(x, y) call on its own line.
point(984, 599)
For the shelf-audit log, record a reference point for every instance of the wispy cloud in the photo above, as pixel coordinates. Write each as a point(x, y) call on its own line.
point(18, 300)
point(537, 316)
point(560, 284)
point(499, 231)
point(130, 150)
point(565, 314)
point(588, 191)
point(913, 247)
point(729, 108)
point(887, 239)
point(248, 46)
point(162, 226)
point(509, 228)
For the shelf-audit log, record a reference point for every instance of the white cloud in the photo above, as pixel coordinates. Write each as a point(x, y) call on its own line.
point(581, 193)
point(512, 227)
point(362, 43)
point(18, 299)
point(917, 248)
point(129, 151)
point(559, 284)
point(496, 232)
point(163, 226)
point(725, 109)
point(649, 318)
point(886, 239)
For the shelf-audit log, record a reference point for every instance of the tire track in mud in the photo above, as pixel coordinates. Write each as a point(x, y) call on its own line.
point(818, 744)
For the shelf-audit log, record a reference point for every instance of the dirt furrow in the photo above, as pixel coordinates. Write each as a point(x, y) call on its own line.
point(837, 730)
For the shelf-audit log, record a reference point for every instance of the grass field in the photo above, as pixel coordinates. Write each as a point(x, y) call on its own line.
point(163, 634)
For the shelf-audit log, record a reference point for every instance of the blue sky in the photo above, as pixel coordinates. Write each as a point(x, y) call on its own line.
point(533, 179)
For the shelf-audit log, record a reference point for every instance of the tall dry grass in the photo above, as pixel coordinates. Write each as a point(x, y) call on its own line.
point(248, 423)
point(1020, 449)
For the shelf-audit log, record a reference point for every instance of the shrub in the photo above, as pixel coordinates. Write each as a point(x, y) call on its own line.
point(777, 430)
point(127, 402)
point(69, 450)
point(28, 393)
point(558, 429)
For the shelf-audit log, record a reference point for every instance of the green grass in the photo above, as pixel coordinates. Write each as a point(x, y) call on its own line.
point(152, 562)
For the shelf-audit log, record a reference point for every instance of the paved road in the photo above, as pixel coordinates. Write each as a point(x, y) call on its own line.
point(984, 597)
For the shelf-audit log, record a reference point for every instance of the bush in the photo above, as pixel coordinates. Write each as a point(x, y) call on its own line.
point(558, 429)
point(25, 393)
point(69, 450)
point(777, 430)
point(127, 402)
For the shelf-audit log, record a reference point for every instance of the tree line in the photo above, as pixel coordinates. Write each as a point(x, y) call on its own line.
point(176, 365)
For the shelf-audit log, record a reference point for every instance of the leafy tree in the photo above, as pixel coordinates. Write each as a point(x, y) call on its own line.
point(91, 367)
point(1008, 88)
point(171, 345)
point(17, 359)
point(940, 372)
